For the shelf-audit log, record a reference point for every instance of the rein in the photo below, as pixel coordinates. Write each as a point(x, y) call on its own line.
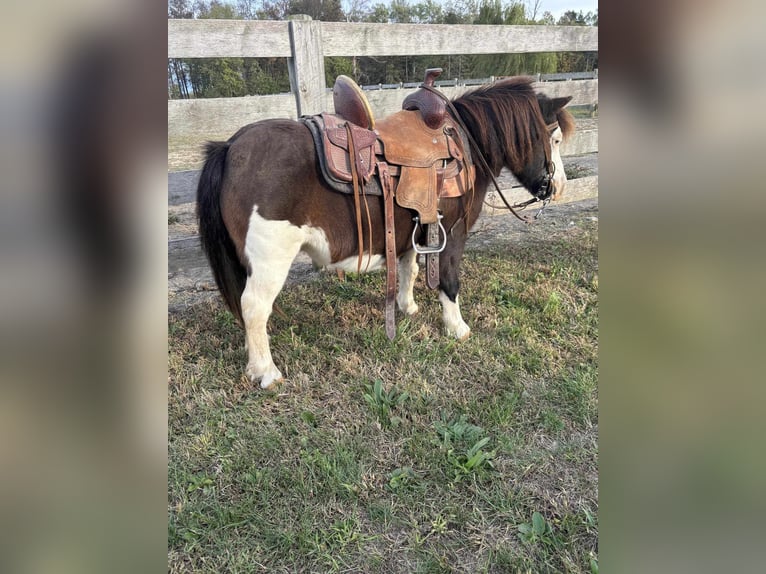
point(550, 166)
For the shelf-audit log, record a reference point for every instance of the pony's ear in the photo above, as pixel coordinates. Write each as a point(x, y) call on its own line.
point(558, 103)
point(551, 106)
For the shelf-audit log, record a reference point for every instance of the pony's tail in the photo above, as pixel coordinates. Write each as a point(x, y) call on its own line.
point(230, 275)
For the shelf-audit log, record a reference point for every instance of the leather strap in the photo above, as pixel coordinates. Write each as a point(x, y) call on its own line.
point(388, 206)
point(357, 194)
point(432, 259)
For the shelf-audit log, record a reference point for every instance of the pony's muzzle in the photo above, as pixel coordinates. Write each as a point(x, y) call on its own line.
point(557, 187)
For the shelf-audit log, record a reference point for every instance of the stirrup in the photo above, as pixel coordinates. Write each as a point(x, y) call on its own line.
point(428, 249)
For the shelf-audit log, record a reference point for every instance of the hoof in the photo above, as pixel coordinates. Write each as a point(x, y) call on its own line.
point(461, 333)
point(410, 310)
point(267, 379)
point(270, 378)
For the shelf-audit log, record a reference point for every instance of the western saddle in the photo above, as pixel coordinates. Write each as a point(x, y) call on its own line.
point(415, 157)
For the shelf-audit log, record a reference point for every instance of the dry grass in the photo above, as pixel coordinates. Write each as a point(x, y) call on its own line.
point(439, 469)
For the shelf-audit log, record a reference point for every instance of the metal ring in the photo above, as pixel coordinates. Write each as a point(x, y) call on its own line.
point(427, 250)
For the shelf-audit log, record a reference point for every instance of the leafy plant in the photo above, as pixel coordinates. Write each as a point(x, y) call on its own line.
point(203, 483)
point(464, 444)
point(457, 430)
point(401, 477)
point(384, 402)
point(538, 530)
point(474, 460)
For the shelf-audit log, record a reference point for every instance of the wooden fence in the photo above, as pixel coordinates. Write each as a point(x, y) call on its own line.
point(305, 43)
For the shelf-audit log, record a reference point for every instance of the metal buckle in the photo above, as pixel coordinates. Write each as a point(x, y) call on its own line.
point(428, 249)
point(540, 211)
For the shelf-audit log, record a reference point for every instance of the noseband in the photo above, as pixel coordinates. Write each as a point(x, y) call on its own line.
point(547, 179)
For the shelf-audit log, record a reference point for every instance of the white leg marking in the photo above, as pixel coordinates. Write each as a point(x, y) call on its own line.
point(453, 320)
point(408, 272)
point(270, 248)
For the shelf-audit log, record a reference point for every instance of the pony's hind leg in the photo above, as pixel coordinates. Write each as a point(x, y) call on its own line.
point(408, 272)
point(270, 247)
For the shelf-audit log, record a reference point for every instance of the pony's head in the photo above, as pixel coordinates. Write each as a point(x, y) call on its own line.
point(559, 124)
point(521, 130)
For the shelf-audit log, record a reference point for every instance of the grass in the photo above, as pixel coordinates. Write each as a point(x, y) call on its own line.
point(417, 455)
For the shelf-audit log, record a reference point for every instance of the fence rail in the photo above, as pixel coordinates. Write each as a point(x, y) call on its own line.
point(264, 39)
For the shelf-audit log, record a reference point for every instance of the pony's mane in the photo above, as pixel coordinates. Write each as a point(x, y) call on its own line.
point(505, 119)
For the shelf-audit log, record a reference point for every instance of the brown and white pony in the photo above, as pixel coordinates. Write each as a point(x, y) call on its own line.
point(261, 200)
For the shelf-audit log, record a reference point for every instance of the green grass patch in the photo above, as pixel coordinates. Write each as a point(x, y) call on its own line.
point(417, 455)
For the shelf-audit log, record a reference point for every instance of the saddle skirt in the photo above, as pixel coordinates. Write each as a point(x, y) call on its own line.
point(426, 164)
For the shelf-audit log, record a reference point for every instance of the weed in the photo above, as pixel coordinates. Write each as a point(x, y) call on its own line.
point(384, 402)
point(457, 430)
point(400, 478)
point(464, 445)
point(537, 531)
point(474, 460)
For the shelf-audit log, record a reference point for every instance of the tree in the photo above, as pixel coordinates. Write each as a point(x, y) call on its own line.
point(547, 19)
point(578, 61)
point(401, 12)
point(379, 14)
point(428, 12)
point(357, 10)
point(248, 9)
point(179, 9)
point(515, 13)
point(273, 9)
point(325, 10)
point(216, 77)
point(572, 18)
point(178, 71)
point(533, 9)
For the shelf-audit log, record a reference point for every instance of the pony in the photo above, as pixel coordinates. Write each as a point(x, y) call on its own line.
point(261, 200)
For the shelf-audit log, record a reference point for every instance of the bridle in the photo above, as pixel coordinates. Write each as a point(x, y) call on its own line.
point(547, 179)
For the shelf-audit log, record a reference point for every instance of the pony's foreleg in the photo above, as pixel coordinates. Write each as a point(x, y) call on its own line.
point(271, 247)
point(449, 285)
point(453, 320)
point(408, 272)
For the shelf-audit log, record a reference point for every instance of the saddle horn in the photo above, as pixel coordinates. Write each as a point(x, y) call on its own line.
point(431, 75)
point(432, 107)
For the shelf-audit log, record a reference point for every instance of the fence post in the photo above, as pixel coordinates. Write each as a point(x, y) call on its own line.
point(306, 66)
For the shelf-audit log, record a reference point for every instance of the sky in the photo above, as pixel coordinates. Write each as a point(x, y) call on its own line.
point(558, 7)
